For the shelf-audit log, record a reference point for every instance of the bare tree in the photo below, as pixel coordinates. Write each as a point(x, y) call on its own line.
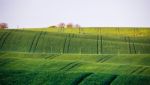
point(3, 25)
point(61, 25)
point(77, 26)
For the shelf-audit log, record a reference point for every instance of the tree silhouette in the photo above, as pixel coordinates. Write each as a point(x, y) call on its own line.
point(61, 26)
point(3, 25)
point(79, 27)
point(69, 25)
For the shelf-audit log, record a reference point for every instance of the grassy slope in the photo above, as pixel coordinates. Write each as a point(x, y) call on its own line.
point(45, 57)
point(54, 42)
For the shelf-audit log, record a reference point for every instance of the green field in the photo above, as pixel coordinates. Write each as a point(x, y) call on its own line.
point(72, 56)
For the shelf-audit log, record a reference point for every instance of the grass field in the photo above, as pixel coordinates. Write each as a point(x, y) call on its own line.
point(86, 56)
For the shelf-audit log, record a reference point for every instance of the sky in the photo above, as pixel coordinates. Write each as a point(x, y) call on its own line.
point(89, 13)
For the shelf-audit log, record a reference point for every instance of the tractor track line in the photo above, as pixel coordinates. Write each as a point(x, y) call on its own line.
point(101, 44)
point(64, 44)
point(5, 39)
point(1, 37)
point(66, 66)
point(134, 48)
point(69, 43)
point(141, 70)
point(73, 65)
point(52, 56)
point(129, 45)
point(36, 43)
point(32, 42)
point(125, 39)
point(97, 44)
point(81, 78)
point(111, 80)
point(105, 59)
point(101, 60)
point(132, 72)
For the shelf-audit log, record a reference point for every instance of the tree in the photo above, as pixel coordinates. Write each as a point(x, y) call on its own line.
point(77, 26)
point(69, 25)
point(3, 25)
point(61, 25)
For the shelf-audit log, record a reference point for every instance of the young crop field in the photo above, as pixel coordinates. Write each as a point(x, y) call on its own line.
point(72, 56)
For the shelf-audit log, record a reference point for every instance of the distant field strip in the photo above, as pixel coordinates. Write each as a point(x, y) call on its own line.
point(79, 63)
point(72, 43)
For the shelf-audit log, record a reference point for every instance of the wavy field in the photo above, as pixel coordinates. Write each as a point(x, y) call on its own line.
point(86, 56)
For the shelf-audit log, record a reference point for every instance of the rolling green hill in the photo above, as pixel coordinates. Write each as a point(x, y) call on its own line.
point(86, 56)
point(55, 42)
